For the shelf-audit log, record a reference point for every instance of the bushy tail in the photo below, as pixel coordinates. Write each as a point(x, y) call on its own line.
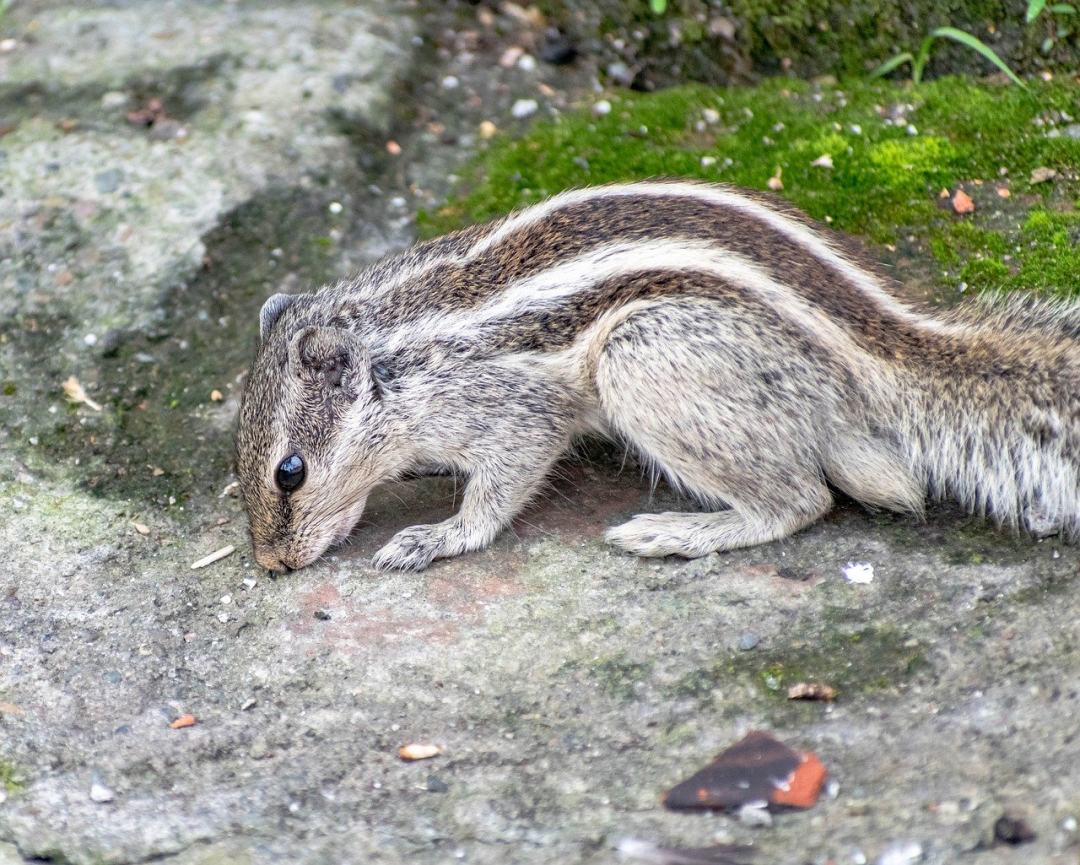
point(999, 429)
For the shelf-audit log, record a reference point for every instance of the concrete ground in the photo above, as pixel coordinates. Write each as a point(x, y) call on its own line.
point(568, 685)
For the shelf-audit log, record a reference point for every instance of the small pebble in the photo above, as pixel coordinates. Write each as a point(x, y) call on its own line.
point(90, 339)
point(8, 45)
point(451, 82)
point(487, 130)
point(557, 49)
point(1012, 830)
point(748, 641)
point(710, 115)
point(911, 129)
point(249, 583)
point(437, 785)
point(335, 207)
point(524, 108)
point(620, 73)
point(226, 600)
point(601, 108)
point(99, 791)
point(322, 615)
point(527, 63)
point(707, 161)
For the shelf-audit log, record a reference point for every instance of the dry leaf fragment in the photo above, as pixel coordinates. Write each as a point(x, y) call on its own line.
point(962, 203)
point(1003, 192)
point(215, 556)
point(11, 709)
point(418, 752)
point(775, 183)
point(393, 148)
point(216, 395)
point(811, 691)
point(1042, 174)
point(943, 194)
point(142, 528)
point(823, 161)
point(183, 721)
point(76, 394)
point(231, 489)
point(156, 471)
point(488, 130)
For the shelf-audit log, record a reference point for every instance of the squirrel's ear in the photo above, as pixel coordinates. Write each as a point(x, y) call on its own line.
point(331, 356)
point(271, 312)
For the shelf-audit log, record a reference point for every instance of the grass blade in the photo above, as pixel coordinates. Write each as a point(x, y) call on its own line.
point(1063, 9)
point(976, 44)
point(891, 64)
point(1034, 7)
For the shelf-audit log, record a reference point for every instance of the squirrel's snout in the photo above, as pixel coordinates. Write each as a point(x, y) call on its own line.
point(273, 562)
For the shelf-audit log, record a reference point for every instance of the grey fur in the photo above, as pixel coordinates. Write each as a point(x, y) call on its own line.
point(752, 358)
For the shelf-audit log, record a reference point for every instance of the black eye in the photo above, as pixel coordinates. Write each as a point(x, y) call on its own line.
point(290, 473)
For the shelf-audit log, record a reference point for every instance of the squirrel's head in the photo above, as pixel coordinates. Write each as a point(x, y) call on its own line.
point(315, 434)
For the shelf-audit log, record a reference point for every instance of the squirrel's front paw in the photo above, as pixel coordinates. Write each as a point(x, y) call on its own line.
point(411, 549)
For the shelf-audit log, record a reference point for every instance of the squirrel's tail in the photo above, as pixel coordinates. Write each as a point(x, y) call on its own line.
point(999, 431)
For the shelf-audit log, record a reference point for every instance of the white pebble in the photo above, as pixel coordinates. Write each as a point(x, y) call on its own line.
point(223, 617)
point(911, 129)
point(901, 853)
point(527, 63)
point(7, 45)
point(524, 108)
point(100, 793)
point(397, 201)
point(90, 339)
point(858, 572)
point(335, 207)
point(450, 82)
point(706, 161)
point(226, 600)
point(855, 129)
point(249, 583)
point(711, 115)
point(601, 108)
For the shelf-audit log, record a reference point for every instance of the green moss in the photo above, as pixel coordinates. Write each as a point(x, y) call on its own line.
point(863, 660)
point(889, 164)
point(10, 779)
point(618, 675)
point(9, 388)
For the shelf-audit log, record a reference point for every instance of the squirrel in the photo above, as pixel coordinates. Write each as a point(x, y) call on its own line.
point(752, 358)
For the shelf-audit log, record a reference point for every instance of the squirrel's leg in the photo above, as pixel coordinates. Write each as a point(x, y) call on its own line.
point(727, 408)
point(506, 467)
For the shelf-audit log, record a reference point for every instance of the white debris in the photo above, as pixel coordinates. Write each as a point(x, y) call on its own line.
point(901, 853)
point(861, 573)
point(755, 814)
point(524, 108)
point(707, 161)
point(100, 793)
point(823, 161)
point(215, 556)
point(601, 108)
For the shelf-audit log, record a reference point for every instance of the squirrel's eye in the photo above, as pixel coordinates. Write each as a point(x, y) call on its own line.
point(290, 473)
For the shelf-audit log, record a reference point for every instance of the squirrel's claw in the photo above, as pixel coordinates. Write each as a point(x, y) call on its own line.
point(411, 549)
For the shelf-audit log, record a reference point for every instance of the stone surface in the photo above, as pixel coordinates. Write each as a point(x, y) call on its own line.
point(567, 685)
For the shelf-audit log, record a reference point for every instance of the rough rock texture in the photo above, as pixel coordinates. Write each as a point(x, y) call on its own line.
point(719, 41)
point(569, 686)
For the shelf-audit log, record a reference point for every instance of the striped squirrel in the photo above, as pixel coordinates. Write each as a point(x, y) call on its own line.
point(750, 357)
